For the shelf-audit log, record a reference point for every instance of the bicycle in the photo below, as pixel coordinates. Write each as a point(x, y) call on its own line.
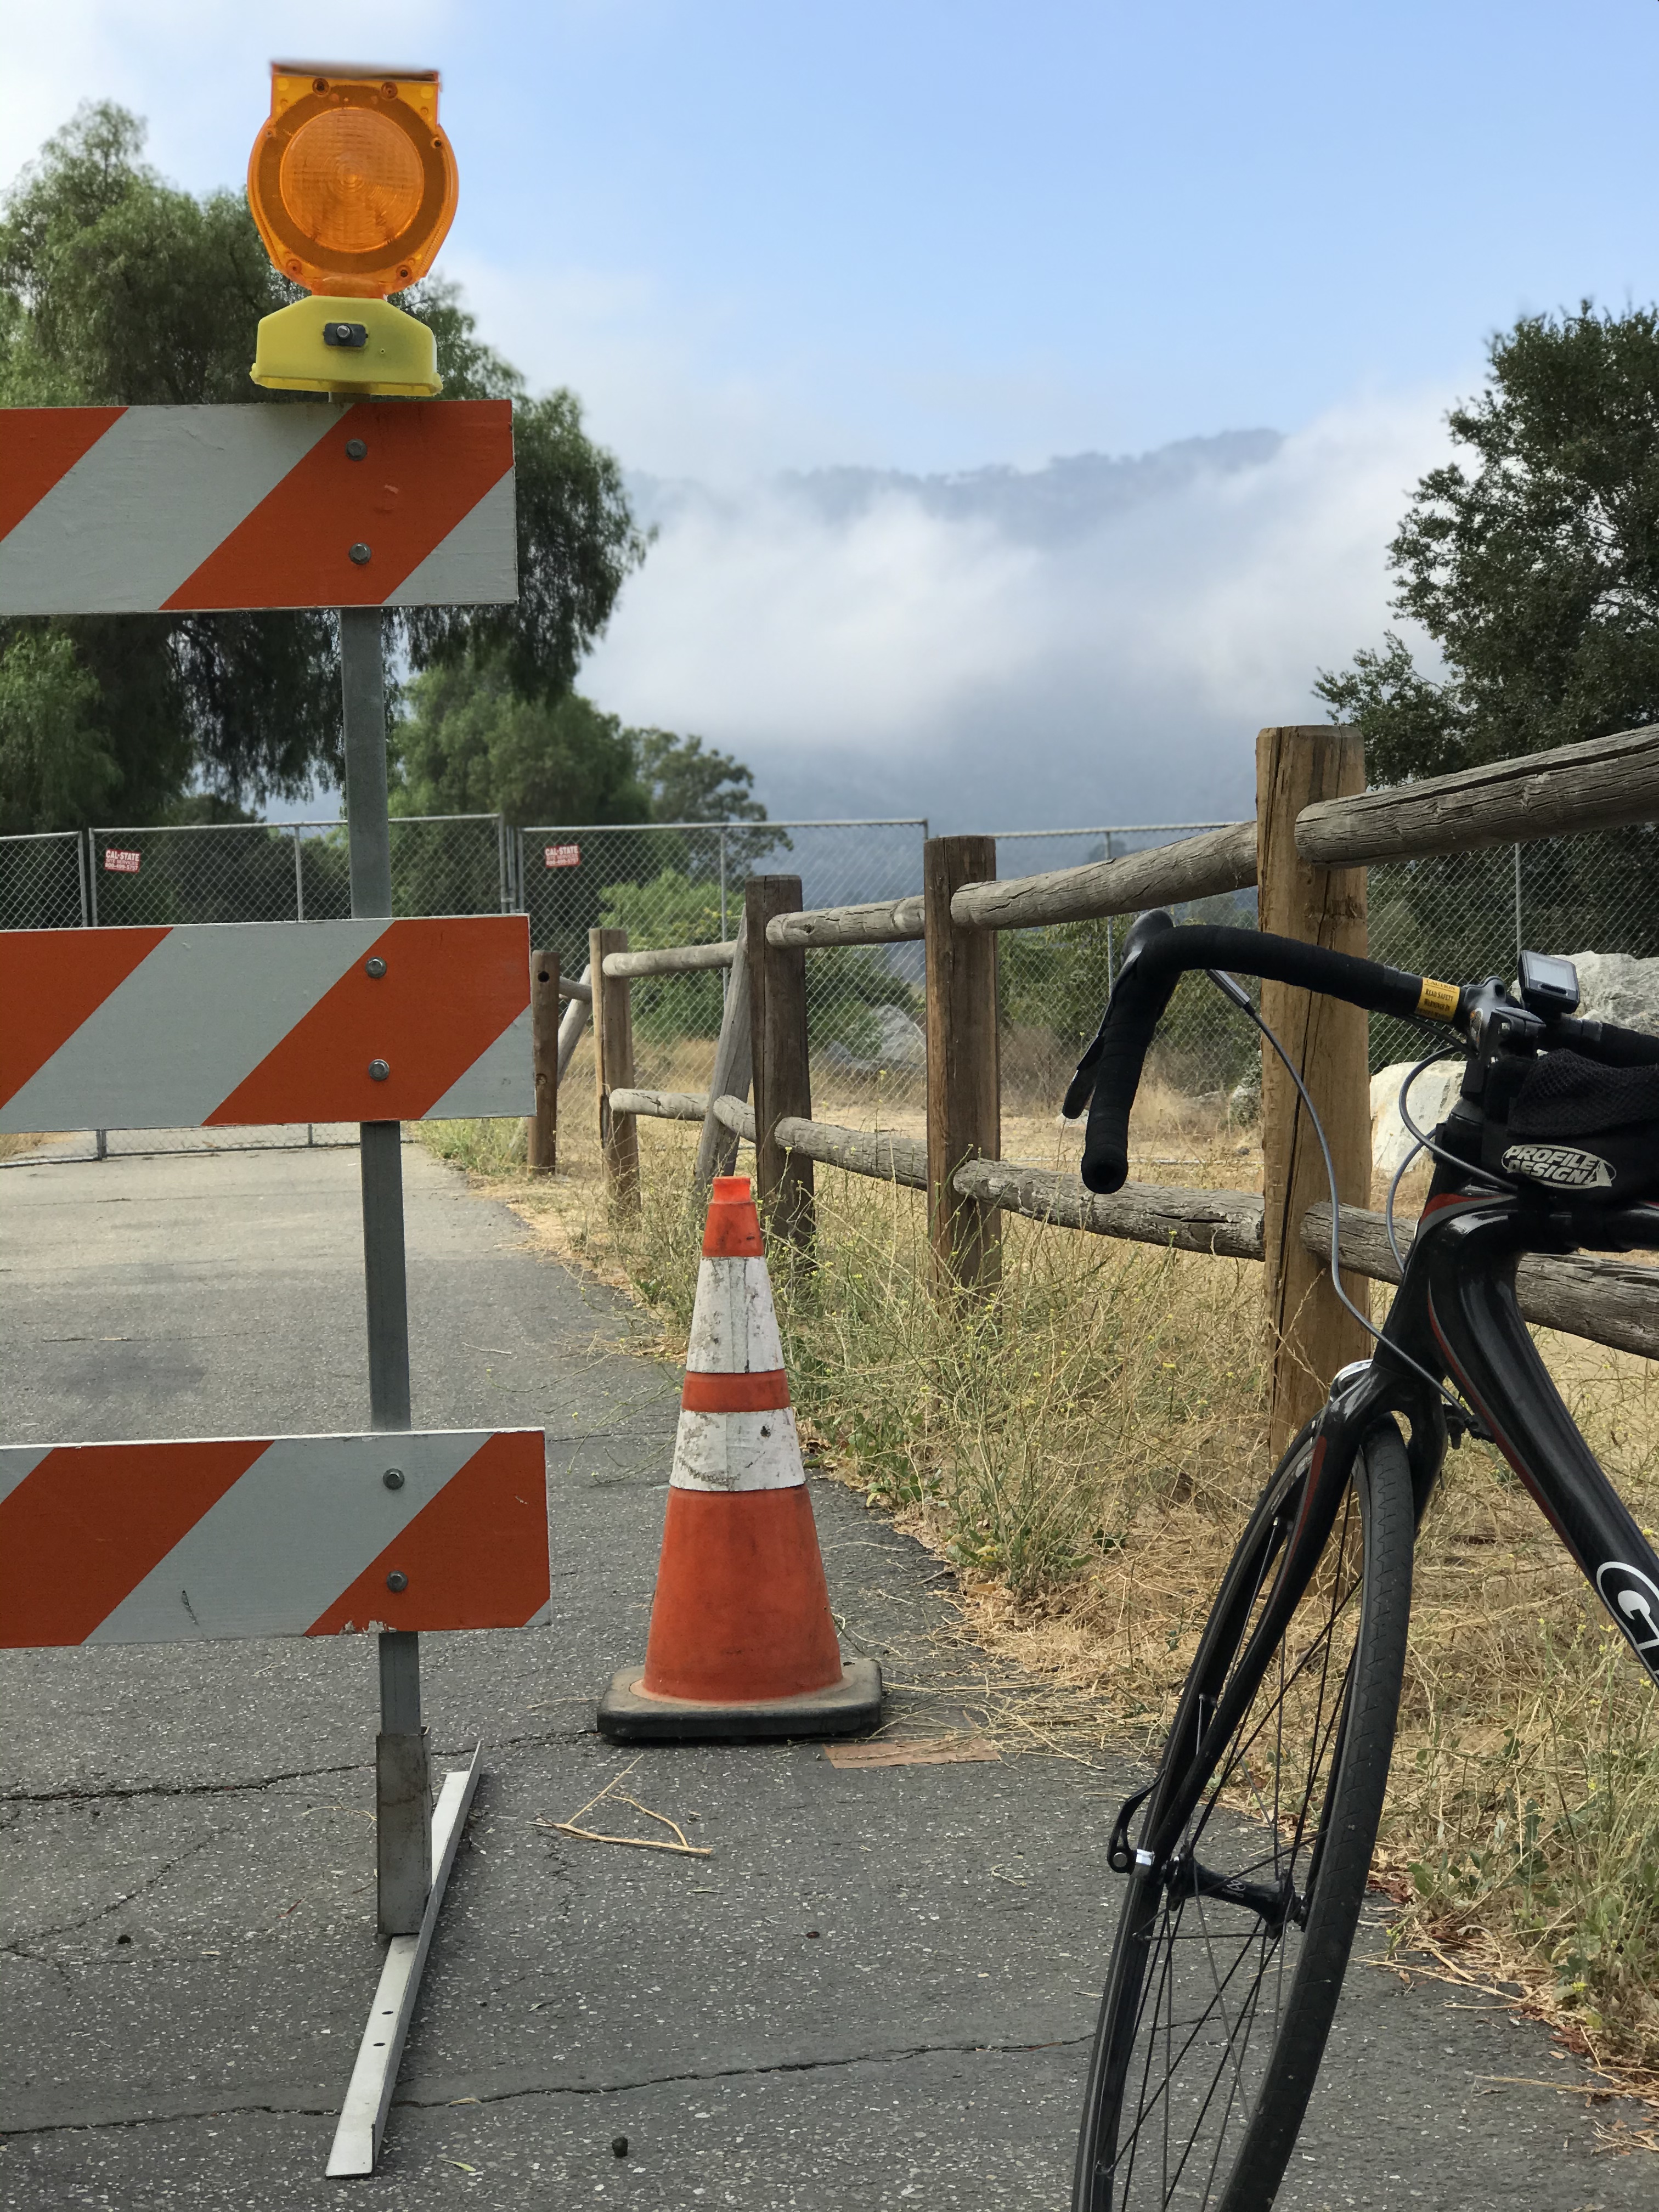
point(1255, 1839)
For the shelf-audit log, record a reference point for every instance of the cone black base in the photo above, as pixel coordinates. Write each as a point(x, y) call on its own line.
point(626, 1715)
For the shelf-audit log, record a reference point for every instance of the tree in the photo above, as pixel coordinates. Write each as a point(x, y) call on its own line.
point(474, 744)
point(577, 539)
point(118, 289)
point(1534, 566)
point(469, 741)
point(688, 784)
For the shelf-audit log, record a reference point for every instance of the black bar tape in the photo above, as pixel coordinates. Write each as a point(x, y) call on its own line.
point(1606, 1042)
point(1160, 954)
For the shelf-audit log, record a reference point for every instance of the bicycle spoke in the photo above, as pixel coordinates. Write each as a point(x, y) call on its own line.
point(1204, 1999)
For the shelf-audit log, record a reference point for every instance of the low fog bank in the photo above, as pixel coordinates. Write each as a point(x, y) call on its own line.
point(1097, 641)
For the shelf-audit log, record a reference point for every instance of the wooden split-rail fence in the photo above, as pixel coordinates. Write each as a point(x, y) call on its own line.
point(1316, 827)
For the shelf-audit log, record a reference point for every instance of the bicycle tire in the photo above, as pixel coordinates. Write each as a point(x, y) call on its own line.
point(1157, 2129)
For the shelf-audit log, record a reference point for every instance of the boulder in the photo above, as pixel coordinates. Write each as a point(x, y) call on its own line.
point(1245, 1100)
point(1617, 986)
point(901, 1048)
point(1431, 1100)
point(903, 1041)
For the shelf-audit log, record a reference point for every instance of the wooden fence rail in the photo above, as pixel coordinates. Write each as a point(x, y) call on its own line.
point(1611, 1302)
point(888, 921)
point(577, 1015)
point(668, 960)
point(1600, 784)
point(662, 1105)
point(1168, 875)
point(1315, 831)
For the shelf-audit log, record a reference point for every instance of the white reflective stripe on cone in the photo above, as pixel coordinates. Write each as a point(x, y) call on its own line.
point(737, 1451)
point(734, 1329)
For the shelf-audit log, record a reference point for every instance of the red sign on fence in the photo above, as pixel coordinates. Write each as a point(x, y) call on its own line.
point(118, 863)
point(562, 856)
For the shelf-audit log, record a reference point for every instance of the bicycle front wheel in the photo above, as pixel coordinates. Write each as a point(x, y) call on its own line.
point(1231, 1949)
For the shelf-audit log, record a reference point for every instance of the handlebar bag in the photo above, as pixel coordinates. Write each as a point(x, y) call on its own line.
point(1580, 1128)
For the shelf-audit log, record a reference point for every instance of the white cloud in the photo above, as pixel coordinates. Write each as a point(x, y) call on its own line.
point(196, 69)
point(757, 615)
point(894, 659)
point(656, 365)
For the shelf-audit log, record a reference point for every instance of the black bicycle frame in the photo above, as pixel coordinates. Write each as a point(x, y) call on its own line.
point(1455, 1314)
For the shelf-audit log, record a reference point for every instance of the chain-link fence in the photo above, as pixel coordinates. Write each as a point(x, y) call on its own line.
point(1461, 915)
point(1465, 915)
point(43, 883)
point(294, 870)
point(1054, 983)
point(683, 883)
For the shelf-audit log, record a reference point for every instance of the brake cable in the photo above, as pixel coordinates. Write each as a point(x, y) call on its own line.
point(1232, 989)
point(1423, 1145)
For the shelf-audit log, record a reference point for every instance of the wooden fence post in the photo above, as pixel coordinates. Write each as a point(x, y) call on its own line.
point(542, 1129)
point(1311, 1335)
point(577, 1015)
point(734, 1071)
point(964, 1110)
point(613, 1067)
point(783, 1083)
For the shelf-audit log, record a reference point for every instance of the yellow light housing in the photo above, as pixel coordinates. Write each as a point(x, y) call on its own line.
point(352, 186)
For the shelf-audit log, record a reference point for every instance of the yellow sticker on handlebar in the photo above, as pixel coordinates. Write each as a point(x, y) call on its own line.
point(1439, 1001)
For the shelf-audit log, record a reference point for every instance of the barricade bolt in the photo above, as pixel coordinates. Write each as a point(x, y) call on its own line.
point(378, 1070)
point(396, 1580)
point(376, 966)
point(356, 450)
point(360, 553)
point(394, 1478)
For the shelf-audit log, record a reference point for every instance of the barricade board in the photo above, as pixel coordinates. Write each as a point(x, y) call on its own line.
point(147, 510)
point(232, 1537)
point(213, 1024)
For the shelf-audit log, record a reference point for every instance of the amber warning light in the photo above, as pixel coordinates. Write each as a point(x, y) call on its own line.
point(353, 187)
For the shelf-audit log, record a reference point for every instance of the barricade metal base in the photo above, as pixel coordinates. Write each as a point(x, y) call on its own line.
point(374, 2076)
point(627, 1715)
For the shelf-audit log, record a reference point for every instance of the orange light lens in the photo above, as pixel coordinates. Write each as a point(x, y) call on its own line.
point(351, 181)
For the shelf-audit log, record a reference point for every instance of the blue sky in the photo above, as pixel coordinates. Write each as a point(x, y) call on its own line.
point(934, 233)
point(932, 236)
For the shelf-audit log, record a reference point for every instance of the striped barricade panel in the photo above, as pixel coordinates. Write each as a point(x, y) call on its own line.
point(222, 1536)
point(211, 1025)
point(167, 510)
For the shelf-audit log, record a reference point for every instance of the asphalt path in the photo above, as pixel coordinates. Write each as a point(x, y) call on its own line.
point(877, 1992)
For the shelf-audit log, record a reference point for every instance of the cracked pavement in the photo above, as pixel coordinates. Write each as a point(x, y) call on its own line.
point(879, 1989)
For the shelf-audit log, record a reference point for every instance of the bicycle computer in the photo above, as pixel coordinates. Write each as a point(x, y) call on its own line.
point(1549, 986)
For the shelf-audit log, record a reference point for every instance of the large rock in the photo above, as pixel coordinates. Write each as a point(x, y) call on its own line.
point(1617, 986)
point(1431, 1100)
point(903, 1041)
point(901, 1048)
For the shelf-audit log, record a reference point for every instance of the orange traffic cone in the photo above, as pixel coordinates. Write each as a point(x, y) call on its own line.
point(742, 1643)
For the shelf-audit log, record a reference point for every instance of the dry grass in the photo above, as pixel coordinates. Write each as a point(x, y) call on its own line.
point(13, 1141)
point(1085, 1446)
